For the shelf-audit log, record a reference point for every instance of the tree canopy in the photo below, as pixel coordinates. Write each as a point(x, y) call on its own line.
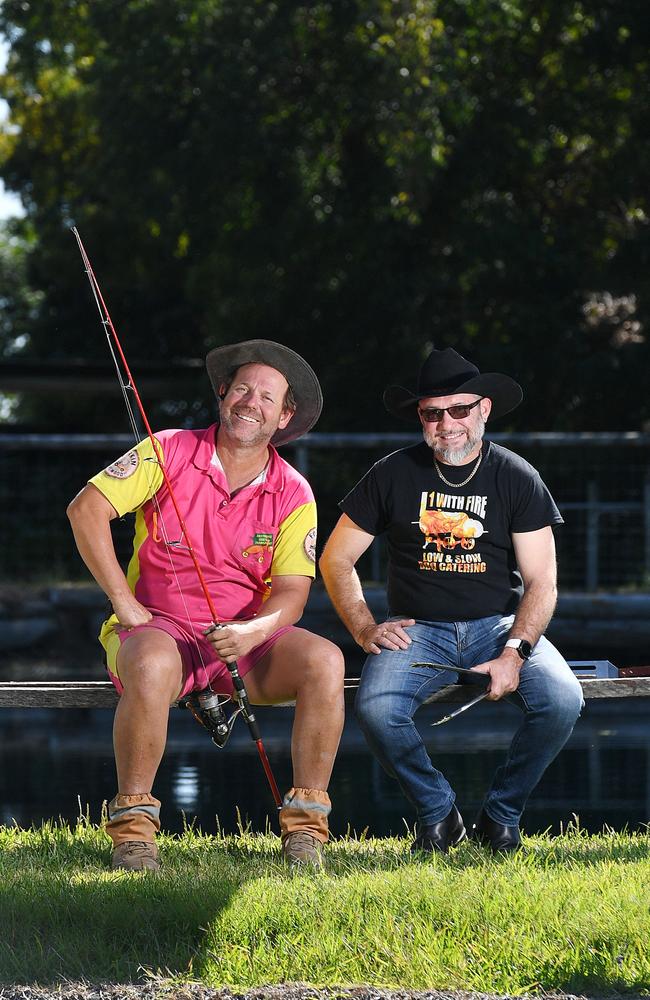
point(358, 180)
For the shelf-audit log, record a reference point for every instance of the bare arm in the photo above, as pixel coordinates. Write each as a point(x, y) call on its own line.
point(90, 515)
point(535, 553)
point(284, 607)
point(345, 546)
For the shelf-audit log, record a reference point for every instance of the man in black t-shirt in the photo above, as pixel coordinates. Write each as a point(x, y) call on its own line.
point(471, 584)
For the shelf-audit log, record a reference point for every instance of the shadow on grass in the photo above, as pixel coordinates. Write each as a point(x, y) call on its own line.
point(64, 916)
point(577, 849)
point(581, 849)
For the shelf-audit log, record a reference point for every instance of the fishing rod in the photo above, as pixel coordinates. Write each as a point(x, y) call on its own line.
point(206, 706)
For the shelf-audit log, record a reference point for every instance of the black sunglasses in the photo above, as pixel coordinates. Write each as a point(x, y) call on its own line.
point(432, 414)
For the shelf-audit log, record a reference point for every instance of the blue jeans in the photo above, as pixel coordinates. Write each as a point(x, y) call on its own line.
point(391, 691)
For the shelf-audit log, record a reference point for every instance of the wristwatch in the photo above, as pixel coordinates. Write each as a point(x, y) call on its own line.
point(522, 646)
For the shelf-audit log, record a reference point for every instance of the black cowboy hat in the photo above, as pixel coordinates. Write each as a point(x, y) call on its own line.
point(223, 362)
point(446, 373)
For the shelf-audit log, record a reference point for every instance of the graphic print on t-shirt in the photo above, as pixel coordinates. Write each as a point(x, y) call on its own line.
point(450, 525)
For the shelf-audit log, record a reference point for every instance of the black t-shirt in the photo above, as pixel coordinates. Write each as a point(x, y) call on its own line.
point(450, 552)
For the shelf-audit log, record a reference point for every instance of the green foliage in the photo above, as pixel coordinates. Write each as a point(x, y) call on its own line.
point(568, 915)
point(355, 179)
point(18, 304)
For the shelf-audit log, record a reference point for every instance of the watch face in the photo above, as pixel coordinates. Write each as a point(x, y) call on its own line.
point(525, 649)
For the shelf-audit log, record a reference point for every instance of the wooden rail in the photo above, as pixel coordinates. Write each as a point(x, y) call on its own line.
point(102, 694)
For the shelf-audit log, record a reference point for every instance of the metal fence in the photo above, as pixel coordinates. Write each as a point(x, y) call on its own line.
point(601, 482)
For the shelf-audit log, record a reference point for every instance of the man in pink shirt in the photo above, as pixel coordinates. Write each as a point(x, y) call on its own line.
point(251, 519)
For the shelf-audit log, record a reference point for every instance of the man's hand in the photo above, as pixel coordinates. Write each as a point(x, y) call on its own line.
point(130, 613)
point(235, 639)
point(387, 635)
point(503, 673)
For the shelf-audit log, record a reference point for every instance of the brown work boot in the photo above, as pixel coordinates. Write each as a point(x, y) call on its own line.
point(300, 850)
point(136, 856)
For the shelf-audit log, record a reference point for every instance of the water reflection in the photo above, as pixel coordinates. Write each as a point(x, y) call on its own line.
point(185, 788)
point(52, 759)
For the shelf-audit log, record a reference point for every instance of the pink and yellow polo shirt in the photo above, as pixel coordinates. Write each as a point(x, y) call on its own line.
point(241, 542)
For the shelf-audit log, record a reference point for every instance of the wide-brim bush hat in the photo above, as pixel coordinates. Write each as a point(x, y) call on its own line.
point(223, 362)
point(446, 373)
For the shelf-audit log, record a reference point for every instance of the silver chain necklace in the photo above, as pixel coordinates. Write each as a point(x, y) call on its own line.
point(457, 486)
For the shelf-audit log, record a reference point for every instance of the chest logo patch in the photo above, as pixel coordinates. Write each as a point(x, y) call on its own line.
point(262, 543)
point(124, 466)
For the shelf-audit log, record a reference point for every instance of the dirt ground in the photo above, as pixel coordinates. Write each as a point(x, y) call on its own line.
point(291, 991)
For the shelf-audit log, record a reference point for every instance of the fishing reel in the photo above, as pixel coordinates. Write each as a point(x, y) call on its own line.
point(207, 707)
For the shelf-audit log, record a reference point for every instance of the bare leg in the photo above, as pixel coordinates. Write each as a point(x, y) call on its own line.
point(310, 670)
point(150, 669)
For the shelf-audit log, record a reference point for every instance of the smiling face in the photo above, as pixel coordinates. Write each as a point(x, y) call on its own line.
point(455, 441)
point(254, 405)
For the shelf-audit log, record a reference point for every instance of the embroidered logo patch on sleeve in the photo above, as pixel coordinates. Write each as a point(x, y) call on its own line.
point(124, 466)
point(309, 545)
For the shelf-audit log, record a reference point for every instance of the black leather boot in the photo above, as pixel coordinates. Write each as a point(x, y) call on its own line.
point(440, 836)
point(500, 838)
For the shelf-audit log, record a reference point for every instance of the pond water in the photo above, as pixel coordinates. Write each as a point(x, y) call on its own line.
point(51, 761)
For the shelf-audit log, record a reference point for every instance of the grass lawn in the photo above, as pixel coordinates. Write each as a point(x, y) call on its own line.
point(569, 914)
